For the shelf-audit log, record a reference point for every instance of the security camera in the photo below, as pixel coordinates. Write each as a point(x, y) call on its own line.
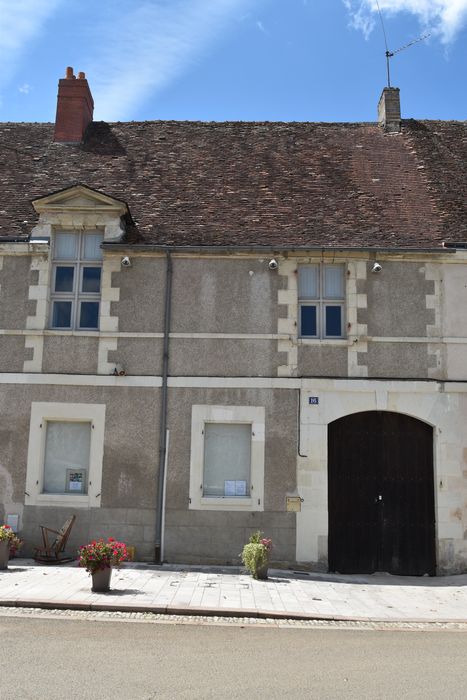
point(125, 262)
point(273, 264)
point(376, 267)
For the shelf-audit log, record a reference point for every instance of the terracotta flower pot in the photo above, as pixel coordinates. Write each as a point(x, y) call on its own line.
point(4, 553)
point(101, 580)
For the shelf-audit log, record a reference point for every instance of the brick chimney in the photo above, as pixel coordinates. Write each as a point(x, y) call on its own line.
point(75, 107)
point(389, 110)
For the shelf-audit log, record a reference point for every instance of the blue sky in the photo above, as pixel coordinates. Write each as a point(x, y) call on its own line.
point(292, 60)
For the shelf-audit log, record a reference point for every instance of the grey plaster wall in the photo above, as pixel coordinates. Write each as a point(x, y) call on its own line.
point(223, 357)
point(130, 471)
point(140, 308)
point(224, 296)
point(130, 466)
point(12, 353)
point(64, 354)
point(397, 360)
point(15, 278)
point(138, 356)
point(396, 299)
point(218, 537)
point(322, 361)
point(201, 535)
point(134, 526)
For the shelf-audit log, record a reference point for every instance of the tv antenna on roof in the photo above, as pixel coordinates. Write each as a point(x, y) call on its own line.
point(390, 54)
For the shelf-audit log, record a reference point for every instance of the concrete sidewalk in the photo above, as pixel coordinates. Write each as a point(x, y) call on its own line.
point(189, 590)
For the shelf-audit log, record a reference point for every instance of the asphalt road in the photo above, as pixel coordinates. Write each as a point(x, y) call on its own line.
point(55, 658)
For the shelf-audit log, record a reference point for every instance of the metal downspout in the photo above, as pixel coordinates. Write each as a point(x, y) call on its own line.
point(163, 416)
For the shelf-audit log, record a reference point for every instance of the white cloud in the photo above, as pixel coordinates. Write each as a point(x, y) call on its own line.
point(151, 46)
point(25, 88)
point(21, 21)
point(445, 18)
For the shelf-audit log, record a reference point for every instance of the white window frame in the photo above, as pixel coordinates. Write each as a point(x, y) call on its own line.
point(76, 297)
point(41, 413)
point(321, 302)
point(255, 416)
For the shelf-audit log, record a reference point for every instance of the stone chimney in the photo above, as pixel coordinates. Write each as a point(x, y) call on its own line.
point(75, 108)
point(389, 110)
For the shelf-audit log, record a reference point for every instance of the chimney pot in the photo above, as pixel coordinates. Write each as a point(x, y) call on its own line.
point(75, 108)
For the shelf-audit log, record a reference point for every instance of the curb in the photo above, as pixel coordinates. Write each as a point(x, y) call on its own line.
point(214, 612)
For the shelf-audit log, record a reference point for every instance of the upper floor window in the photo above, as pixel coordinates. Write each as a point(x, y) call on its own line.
point(76, 280)
point(321, 300)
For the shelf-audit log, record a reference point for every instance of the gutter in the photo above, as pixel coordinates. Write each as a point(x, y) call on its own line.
point(163, 417)
point(267, 249)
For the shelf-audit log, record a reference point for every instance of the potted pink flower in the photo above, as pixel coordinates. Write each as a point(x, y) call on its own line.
point(98, 557)
point(9, 543)
point(255, 555)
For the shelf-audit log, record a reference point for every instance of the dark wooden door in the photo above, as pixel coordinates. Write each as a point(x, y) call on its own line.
point(381, 494)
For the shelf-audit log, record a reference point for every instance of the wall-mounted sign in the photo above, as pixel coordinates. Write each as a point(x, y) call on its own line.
point(313, 400)
point(294, 504)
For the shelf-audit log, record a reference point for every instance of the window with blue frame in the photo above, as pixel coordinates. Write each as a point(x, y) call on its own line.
point(321, 301)
point(76, 280)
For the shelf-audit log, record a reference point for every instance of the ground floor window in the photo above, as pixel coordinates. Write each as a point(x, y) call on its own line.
point(65, 454)
point(227, 458)
point(66, 457)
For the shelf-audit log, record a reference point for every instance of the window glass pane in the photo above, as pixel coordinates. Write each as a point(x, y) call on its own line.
point(333, 321)
point(308, 282)
point(308, 320)
point(61, 316)
point(227, 458)
point(334, 281)
point(66, 246)
point(89, 314)
point(92, 250)
point(91, 279)
point(67, 446)
point(64, 279)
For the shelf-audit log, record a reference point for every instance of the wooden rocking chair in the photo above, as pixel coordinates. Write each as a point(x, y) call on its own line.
point(52, 551)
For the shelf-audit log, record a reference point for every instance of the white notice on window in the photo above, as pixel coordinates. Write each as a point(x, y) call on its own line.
point(75, 482)
point(229, 488)
point(240, 488)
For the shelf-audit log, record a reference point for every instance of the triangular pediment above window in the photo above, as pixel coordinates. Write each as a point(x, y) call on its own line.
point(80, 198)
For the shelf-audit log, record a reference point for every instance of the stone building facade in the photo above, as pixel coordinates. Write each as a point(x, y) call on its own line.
point(185, 311)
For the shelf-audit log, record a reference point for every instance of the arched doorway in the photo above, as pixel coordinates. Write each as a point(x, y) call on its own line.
point(381, 494)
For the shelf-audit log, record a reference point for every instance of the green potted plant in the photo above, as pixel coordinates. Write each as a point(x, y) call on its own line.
point(98, 557)
point(256, 555)
point(9, 543)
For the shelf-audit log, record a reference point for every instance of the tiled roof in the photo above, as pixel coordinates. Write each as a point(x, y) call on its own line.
point(252, 183)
